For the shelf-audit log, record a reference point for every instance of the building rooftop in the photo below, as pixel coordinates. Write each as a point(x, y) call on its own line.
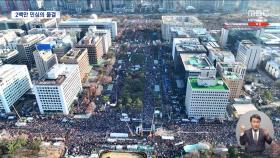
point(188, 45)
point(244, 108)
point(45, 55)
point(47, 40)
point(275, 62)
point(89, 39)
point(31, 38)
point(231, 65)
point(7, 53)
point(57, 74)
point(8, 70)
point(268, 38)
point(8, 20)
point(190, 48)
point(195, 62)
point(232, 70)
point(247, 43)
point(74, 53)
point(75, 21)
point(220, 85)
point(216, 53)
point(9, 35)
point(187, 41)
point(181, 20)
point(58, 33)
point(231, 75)
point(180, 31)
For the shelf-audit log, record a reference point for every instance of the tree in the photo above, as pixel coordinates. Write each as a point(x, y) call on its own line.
point(105, 98)
point(13, 145)
point(35, 144)
point(120, 105)
point(138, 104)
point(249, 79)
point(278, 109)
point(204, 154)
point(267, 95)
point(233, 152)
point(277, 84)
point(128, 102)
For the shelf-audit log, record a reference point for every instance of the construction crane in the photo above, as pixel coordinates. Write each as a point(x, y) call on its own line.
point(17, 112)
point(132, 134)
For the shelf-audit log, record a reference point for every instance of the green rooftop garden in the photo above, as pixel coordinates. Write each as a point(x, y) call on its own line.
point(195, 86)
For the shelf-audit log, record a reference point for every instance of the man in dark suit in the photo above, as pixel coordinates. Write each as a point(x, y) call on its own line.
point(254, 138)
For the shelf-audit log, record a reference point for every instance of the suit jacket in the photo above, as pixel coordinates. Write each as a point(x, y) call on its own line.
point(251, 145)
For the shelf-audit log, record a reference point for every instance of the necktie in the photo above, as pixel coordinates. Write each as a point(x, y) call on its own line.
point(255, 137)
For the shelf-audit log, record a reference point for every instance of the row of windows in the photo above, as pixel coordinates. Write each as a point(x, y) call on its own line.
point(47, 101)
point(209, 97)
point(210, 92)
point(45, 88)
point(208, 109)
point(206, 94)
point(49, 96)
point(206, 106)
point(209, 101)
point(208, 114)
point(45, 107)
point(12, 94)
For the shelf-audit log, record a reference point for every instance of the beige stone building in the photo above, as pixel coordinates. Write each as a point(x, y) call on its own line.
point(78, 56)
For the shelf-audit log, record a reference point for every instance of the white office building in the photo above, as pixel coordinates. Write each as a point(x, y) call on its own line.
point(273, 68)
point(249, 54)
point(105, 34)
point(169, 21)
point(14, 82)
point(9, 38)
point(186, 45)
point(84, 24)
point(217, 54)
point(27, 46)
point(44, 61)
point(57, 90)
point(206, 97)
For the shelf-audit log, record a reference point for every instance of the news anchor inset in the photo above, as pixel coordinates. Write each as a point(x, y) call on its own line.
point(255, 137)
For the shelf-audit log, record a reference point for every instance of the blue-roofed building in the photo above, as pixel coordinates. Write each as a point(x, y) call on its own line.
point(46, 44)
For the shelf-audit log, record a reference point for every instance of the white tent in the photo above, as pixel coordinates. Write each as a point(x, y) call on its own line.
point(167, 137)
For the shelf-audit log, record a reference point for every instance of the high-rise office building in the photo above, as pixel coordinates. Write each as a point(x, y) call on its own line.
point(249, 54)
point(186, 45)
point(51, 5)
point(273, 67)
point(14, 83)
point(74, 6)
point(10, 38)
point(44, 61)
point(232, 74)
point(206, 97)
point(9, 56)
point(78, 56)
point(94, 45)
point(58, 41)
point(84, 24)
point(193, 64)
point(23, 24)
point(57, 90)
point(26, 47)
point(105, 34)
point(169, 21)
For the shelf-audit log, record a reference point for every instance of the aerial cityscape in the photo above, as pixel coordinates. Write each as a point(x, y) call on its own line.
point(140, 78)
